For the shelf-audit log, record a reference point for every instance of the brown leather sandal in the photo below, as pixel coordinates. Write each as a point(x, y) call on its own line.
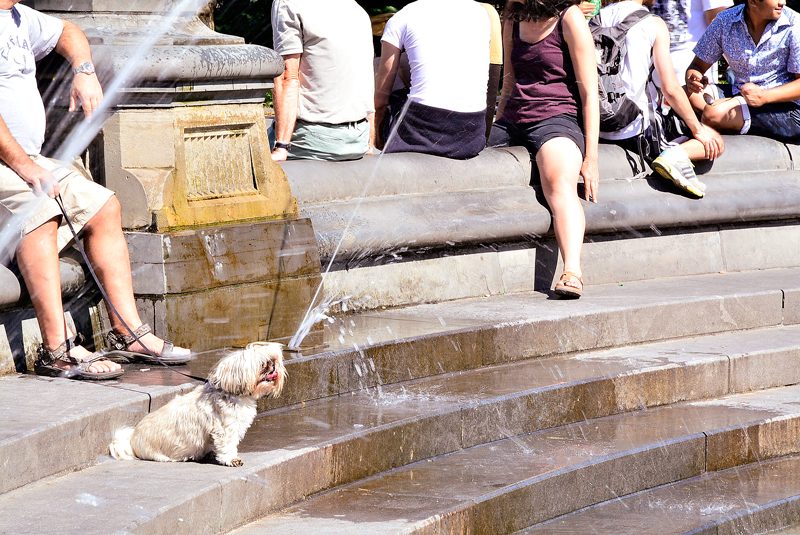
point(119, 344)
point(565, 290)
point(78, 369)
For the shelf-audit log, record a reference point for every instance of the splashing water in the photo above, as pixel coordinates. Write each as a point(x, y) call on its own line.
point(318, 312)
point(314, 315)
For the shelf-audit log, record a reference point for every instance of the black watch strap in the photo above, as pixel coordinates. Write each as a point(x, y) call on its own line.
point(281, 145)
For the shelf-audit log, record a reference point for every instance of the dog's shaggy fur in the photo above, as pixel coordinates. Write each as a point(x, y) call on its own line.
point(211, 418)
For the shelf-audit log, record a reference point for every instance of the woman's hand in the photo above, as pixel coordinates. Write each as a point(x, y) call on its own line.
point(591, 179)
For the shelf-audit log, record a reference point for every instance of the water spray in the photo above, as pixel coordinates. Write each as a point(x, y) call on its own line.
point(318, 312)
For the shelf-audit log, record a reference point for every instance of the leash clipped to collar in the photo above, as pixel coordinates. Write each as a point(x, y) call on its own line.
point(110, 304)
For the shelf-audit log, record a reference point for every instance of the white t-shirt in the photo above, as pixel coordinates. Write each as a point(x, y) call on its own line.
point(447, 42)
point(25, 36)
point(337, 83)
point(690, 24)
point(639, 40)
point(696, 23)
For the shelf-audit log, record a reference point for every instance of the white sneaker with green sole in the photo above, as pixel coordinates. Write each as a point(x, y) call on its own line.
point(674, 164)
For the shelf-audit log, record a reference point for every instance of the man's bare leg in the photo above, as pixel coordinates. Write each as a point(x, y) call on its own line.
point(37, 258)
point(695, 150)
point(108, 252)
point(724, 114)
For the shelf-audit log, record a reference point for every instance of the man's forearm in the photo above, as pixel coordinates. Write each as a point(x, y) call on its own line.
point(11, 152)
point(40, 180)
point(784, 93)
point(286, 93)
point(699, 67)
point(73, 45)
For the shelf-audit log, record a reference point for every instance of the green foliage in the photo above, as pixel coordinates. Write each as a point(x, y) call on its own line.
point(246, 18)
point(251, 18)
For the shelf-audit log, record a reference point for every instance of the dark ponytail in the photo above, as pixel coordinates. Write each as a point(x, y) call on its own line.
point(535, 10)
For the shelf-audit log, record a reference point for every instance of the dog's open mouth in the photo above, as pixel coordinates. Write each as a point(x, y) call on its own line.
point(269, 373)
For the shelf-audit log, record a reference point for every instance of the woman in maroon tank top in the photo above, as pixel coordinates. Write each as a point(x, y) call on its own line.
point(549, 104)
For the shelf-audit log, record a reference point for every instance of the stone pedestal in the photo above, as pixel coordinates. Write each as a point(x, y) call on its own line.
point(219, 255)
point(227, 285)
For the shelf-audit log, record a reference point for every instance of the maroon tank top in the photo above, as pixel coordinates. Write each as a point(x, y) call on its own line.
point(545, 83)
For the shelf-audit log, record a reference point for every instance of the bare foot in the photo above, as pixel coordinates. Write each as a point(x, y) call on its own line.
point(80, 353)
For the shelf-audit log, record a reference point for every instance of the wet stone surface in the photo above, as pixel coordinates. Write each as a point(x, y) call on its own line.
point(703, 501)
point(486, 486)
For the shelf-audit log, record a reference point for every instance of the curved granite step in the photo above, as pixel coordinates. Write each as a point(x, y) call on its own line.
point(507, 485)
point(390, 346)
point(49, 425)
point(293, 452)
point(790, 530)
point(418, 342)
point(758, 498)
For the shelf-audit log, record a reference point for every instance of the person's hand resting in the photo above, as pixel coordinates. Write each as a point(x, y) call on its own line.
point(86, 92)
point(695, 82)
point(41, 180)
point(711, 140)
point(754, 95)
point(591, 179)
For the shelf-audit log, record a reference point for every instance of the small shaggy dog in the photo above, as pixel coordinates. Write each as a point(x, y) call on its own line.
point(211, 418)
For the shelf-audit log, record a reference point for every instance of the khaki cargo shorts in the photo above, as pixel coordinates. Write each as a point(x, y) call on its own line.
point(21, 211)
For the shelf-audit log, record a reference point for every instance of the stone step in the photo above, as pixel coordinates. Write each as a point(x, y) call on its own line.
point(294, 452)
point(407, 344)
point(757, 498)
point(504, 486)
point(50, 425)
point(419, 342)
point(389, 346)
point(791, 530)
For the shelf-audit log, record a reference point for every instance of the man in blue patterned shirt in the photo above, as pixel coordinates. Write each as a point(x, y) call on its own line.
point(761, 42)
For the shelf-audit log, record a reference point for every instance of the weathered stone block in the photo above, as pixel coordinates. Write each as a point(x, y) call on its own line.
point(193, 165)
point(769, 246)
point(791, 306)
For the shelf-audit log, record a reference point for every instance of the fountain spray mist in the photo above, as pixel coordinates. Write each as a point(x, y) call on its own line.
point(80, 137)
point(319, 312)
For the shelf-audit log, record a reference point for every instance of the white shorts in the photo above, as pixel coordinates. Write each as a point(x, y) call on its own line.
point(21, 211)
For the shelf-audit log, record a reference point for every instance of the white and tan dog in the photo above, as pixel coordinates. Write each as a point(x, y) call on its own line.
point(211, 418)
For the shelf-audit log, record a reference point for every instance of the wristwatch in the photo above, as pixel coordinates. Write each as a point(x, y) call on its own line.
point(86, 68)
point(281, 145)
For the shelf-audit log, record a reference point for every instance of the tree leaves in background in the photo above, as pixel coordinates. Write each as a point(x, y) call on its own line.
point(251, 18)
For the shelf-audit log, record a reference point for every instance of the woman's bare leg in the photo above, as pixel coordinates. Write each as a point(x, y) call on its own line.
point(559, 161)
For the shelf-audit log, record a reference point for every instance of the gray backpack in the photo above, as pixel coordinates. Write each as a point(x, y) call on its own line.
point(616, 110)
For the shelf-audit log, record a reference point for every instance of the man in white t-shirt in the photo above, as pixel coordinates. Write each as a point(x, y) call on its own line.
point(687, 20)
point(447, 42)
point(324, 98)
point(648, 45)
point(31, 183)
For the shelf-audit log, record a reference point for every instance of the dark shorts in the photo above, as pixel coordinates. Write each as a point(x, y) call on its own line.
point(780, 120)
point(533, 135)
point(435, 131)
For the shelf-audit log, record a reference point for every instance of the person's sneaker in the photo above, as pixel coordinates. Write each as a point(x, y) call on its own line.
point(674, 164)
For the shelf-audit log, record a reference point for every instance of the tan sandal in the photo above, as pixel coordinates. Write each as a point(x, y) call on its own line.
point(120, 352)
point(78, 369)
point(565, 290)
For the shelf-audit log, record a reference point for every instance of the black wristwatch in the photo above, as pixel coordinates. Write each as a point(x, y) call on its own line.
point(281, 145)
